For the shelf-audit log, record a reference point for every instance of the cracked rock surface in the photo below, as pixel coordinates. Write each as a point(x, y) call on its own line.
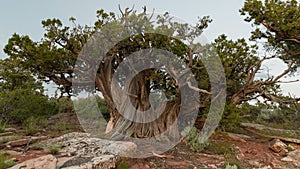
point(80, 151)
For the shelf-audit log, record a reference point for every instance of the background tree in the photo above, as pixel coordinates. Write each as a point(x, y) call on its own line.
point(13, 77)
point(242, 63)
point(278, 23)
point(21, 95)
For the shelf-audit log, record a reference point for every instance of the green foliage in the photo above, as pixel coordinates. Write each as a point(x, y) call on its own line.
point(61, 45)
point(21, 104)
point(232, 117)
point(228, 166)
point(272, 115)
point(37, 146)
point(102, 107)
point(278, 22)
point(33, 124)
point(3, 125)
point(89, 107)
point(236, 57)
point(193, 139)
point(21, 96)
point(3, 161)
point(290, 148)
point(54, 149)
point(64, 127)
point(218, 148)
point(227, 149)
point(65, 104)
point(6, 139)
point(14, 77)
point(122, 165)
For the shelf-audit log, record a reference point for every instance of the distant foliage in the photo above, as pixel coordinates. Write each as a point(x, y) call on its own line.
point(65, 104)
point(21, 104)
point(232, 116)
point(90, 107)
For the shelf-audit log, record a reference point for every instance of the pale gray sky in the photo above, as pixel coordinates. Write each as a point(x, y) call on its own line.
point(24, 17)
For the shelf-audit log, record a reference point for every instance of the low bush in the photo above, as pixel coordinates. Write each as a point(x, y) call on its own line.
point(21, 104)
point(193, 139)
point(232, 117)
point(4, 162)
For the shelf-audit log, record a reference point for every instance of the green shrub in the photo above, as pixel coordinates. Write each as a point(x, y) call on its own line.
point(90, 108)
point(37, 146)
point(290, 148)
point(64, 127)
point(31, 125)
point(54, 149)
point(4, 163)
point(122, 165)
point(103, 107)
point(232, 117)
point(9, 138)
point(218, 148)
point(20, 104)
point(193, 140)
point(3, 125)
point(65, 104)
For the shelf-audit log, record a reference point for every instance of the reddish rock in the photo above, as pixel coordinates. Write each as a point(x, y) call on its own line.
point(44, 162)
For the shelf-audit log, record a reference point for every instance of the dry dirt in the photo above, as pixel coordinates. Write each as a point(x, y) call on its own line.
point(253, 152)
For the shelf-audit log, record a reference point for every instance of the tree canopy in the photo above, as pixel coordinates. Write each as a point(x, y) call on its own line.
point(277, 22)
point(62, 50)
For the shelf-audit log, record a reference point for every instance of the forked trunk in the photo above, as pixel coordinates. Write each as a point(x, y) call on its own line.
point(132, 115)
point(138, 118)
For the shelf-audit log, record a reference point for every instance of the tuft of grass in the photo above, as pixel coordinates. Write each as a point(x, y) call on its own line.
point(4, 162)
point(9, 138)
point(289, 148)
point(218, 148)
point(31, 126)
point(226, 149)
point(64, 127)
point(54, 149)
point(123, 165)
point(2, 126)
point(230, 158)
point(51, 149)
point(37, 146)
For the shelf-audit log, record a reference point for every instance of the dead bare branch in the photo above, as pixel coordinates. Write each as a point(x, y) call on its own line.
point(120, 10)
point(294, 40)
point(197, 89)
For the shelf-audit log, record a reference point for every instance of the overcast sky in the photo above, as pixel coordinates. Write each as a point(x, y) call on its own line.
point(24, 17)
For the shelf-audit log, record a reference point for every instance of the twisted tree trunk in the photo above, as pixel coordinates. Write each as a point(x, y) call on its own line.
point(131, 112)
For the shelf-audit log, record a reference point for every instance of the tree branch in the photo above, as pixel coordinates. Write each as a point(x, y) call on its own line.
point(197, 89)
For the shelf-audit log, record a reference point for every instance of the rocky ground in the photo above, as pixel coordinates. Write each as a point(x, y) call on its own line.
point(79, 150)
